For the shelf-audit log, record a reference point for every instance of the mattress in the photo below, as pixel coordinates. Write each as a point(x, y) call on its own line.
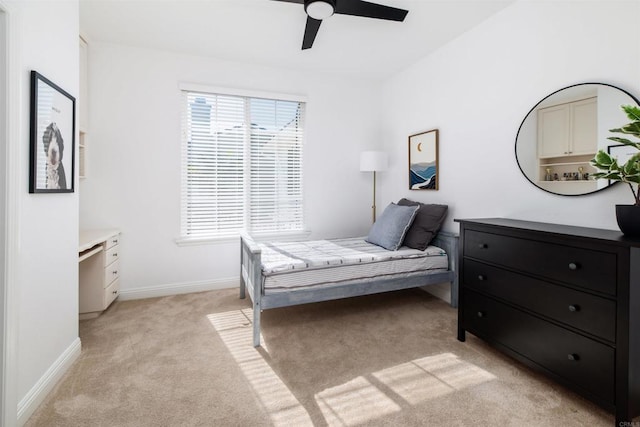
point(293, 265)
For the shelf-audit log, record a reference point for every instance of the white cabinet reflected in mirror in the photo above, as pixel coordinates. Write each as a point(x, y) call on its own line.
point(562, 133)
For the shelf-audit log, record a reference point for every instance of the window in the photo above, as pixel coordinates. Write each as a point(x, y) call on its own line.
point(242, 165)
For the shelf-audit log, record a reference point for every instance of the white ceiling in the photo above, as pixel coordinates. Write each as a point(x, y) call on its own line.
point(268, 32)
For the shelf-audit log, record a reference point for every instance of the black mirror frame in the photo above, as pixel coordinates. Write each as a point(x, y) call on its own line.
point(536, 106)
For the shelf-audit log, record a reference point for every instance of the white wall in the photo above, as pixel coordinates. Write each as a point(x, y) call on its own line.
point(133, 165)
point(46, 38)
point(477, 90)
point(4, 33)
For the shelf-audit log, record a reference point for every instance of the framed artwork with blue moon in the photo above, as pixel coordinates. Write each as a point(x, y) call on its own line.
point(423, 160)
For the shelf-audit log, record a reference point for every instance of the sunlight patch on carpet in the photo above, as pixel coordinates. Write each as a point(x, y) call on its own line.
point(430, 377)
point(361, 400)
point(235, 330)
point(354, 402)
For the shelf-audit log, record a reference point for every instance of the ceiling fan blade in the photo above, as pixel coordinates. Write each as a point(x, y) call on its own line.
point(292, 1)
point(370, 10)
point(310, 31)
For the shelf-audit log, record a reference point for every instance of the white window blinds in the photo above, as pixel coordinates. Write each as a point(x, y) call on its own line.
point(242, 165)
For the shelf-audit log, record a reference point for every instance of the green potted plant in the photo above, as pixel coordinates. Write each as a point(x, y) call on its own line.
point(628, 216)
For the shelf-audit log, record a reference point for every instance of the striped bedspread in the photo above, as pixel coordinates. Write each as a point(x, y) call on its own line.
point(286, 257)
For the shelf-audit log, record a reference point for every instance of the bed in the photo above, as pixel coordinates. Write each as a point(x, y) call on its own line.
point(292, 273)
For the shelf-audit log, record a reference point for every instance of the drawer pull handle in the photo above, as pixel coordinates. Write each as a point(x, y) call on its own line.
point(573, 266)
point(480, 314)
point(573, 356)
point(115, 292)
point(116, 254)
point(114, 241)
point(574, 307)
point(115, 271)
point(483, 246)
point(481, 277)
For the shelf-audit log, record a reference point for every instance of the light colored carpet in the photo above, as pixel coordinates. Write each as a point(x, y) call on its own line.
point(382, 360)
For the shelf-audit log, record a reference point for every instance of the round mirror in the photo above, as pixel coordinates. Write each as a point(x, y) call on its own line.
point(564, 131)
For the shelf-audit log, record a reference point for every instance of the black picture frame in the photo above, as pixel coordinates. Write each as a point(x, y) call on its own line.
point(423, 161)
point(52, 137)
point(621, 153)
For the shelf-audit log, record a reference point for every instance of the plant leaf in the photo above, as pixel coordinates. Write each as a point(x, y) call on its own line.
point(633, 112)
point(634, 178)
point(602, 160)
point(625, 141)
point(606, 175)
point(629, 129)
point(608, 167)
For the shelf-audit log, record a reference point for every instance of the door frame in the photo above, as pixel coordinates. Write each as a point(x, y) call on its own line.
point(9, 209)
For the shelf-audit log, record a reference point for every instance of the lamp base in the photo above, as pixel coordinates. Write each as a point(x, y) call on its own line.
point(373, 208)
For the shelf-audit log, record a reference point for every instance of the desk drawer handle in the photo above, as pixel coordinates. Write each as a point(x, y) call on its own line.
point(481, 314)
point(483, 246)
point(115, 271)
point(115, 254)
point(482, 277)
point(573, 266)
point(574, 357)
point(574, 308)
point(115, 292)
point(114, 241)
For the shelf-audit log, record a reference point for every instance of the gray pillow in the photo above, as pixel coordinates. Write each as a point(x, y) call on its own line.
point(425, 226)
point(390, 228)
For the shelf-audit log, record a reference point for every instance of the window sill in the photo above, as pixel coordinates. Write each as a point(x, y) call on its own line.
point(267, 237)
point(281, 237)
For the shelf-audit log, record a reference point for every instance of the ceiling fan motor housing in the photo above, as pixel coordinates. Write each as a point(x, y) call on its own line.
point(320, 9)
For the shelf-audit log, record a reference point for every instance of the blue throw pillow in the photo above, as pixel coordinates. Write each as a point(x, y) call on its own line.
point(390, 228)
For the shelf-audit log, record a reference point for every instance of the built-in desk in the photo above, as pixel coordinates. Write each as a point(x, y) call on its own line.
point(98, 267)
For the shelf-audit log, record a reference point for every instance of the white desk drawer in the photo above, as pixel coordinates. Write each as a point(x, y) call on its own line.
point(111, 273)
point(112, 241)
point(111, 292)
point(112, 255)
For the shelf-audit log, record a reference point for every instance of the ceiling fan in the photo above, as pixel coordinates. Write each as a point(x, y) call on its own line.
point(317, 10)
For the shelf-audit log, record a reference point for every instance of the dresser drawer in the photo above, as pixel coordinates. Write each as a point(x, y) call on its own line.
point(592, 314)
point(580, 360)
point(111, 273)
point(576, 266)
point(111, 255)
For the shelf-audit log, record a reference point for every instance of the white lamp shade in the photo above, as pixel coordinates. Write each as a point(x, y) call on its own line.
point(373, 161)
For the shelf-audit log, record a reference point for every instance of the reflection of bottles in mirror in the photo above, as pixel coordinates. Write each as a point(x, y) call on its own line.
point(555, 177)
point(548, 176)
point(580, 174)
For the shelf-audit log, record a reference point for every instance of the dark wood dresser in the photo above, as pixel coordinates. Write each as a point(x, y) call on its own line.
point(563, 300)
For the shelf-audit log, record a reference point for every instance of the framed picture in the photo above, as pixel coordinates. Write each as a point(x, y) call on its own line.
point(423, 160)
point(621, 152)
point(52, 135)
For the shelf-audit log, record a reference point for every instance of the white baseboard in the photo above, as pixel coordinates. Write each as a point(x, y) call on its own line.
point(179, 288)
point(47, 382)
point(441, 290)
